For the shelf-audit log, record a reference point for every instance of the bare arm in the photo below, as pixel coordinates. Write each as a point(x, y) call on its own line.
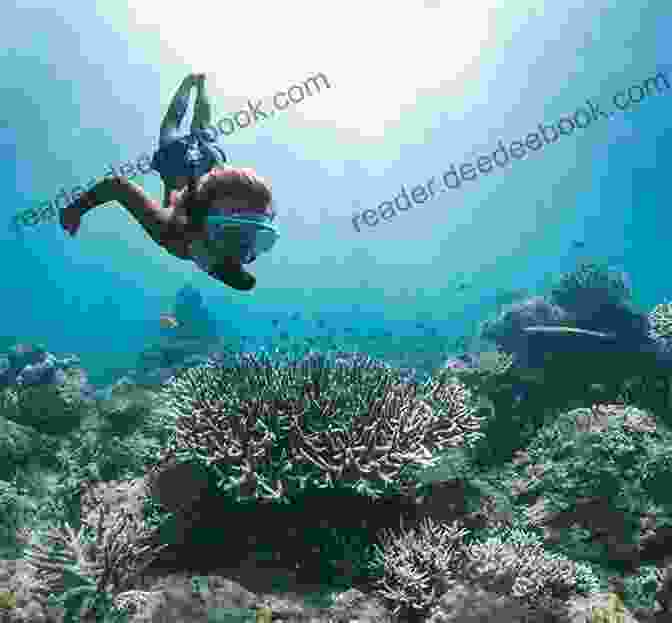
point(155, 220)
point(121, 189)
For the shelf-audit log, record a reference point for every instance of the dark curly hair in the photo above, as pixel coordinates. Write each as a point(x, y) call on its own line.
point(225, 181)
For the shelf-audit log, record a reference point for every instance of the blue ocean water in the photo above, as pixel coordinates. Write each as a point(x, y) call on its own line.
point(85, 89)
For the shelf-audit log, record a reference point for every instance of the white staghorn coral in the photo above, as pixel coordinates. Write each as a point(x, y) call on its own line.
point(109, 551)
point(417, 564)
point(420, 565)
point(516, 562)
point(268, 428)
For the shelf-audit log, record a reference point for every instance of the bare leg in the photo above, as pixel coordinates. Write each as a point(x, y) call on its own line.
point(178, 107)
point(170, 126)
point(202, 127)
point(202, 107)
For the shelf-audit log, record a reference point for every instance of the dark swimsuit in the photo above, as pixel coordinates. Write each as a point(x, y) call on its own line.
point(188, 156)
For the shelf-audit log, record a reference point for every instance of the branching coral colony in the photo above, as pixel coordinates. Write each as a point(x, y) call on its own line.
point(270, 428)
point(660, 322)
point(108, 552)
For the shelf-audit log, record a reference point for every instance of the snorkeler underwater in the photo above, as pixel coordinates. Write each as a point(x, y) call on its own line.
point(213, 214)
point(234, 386)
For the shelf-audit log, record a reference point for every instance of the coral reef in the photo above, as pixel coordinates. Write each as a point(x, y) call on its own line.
point(194, 320)
point(417, 566)
point(660, 320)
point(251, 482)
point(53, 408)
point(109, 551)
point(507, 330)
point(26, 364)
point(192, 341)
point(660, 333)
point(348, 423)
point(593, 299)
point(599, 298)
point(516, 563)
point(591, 287)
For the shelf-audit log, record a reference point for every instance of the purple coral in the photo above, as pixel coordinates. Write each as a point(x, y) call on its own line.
point(462, 362)
point(40, 373)
point(45, 370)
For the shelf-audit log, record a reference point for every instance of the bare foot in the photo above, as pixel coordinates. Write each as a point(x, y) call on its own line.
point(193, 79)
point(71, 218)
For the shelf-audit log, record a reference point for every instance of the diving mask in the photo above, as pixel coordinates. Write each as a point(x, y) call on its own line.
point(229, 236)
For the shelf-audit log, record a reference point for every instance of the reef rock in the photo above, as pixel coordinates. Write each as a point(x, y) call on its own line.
point(174, 597)
point(507, 331)
point(469, 604)
point(194, 320)
point(19, 445)
point(125, 406)
point(57, 407)
point(25, 364)
point(170, 356)
point(190, 341)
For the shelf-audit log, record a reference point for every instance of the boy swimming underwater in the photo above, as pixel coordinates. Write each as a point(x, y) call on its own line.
point(213, 214)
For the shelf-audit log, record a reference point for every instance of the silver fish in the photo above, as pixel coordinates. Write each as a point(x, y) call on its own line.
point(569, 330)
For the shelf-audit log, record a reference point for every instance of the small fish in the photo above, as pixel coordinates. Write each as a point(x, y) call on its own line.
point(295, 316)
point(168, 321)
point(264, 614)
point(578, 244)
point(463, 286)
point(321, 323)
point(275, 322)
